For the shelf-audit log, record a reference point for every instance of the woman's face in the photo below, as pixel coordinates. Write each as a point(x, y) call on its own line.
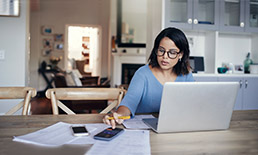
point(168, 47)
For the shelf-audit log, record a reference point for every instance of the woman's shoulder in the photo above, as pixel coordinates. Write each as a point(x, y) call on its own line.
point(143, 72)
point(186, 77)
point(143, 69)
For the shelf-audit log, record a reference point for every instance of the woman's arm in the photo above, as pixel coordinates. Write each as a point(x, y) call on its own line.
point(123, 111)
point(130, 102)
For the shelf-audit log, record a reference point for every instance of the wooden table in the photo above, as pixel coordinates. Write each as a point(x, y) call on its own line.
point(240, 138)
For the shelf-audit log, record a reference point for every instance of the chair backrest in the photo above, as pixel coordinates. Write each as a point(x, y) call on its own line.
point(56, 94)
point(25, 93)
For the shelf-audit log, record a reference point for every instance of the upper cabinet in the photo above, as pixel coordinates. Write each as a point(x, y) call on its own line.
point(232, 15)
point(239, 15)
point(252, 15)
point(222, 15)
point(192, 14)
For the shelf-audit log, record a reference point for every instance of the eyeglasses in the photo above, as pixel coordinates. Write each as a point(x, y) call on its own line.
point(172, 54)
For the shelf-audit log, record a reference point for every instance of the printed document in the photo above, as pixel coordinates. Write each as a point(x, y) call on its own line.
point(129, 142)
point(60, 133)
point(136, 122)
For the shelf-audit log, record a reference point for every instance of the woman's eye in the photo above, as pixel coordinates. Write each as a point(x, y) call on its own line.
point(161, 50)
point(172, 52)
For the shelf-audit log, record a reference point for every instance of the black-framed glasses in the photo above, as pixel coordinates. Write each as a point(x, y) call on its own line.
point(172, 54)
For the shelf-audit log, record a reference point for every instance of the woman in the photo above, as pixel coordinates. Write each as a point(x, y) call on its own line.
point(168, 62)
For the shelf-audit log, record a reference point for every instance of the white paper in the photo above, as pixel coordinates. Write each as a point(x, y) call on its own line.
point(60, 133)
point(129, 142)
point(136, 122)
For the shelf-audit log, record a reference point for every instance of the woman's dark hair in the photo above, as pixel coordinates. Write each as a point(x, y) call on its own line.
point(180, 40)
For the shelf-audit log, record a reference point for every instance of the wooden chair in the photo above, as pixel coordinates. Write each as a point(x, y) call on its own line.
point(25, 93)
point(56, 94)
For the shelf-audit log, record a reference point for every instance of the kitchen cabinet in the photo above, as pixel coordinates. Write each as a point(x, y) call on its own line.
point(250, 97)
point(239, 15)
point(232, 15)
point(239, 99)
point(247, 97)
point(222, 15)
point(251, 16)
point(192, 14)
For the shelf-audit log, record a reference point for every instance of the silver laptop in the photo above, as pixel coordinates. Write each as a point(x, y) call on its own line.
point(195, 106)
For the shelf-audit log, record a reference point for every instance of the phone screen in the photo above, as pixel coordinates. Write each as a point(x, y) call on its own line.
point(79, 131)
point(108, 134)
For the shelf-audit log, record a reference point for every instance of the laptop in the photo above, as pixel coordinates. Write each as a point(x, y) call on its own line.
point(195, 106)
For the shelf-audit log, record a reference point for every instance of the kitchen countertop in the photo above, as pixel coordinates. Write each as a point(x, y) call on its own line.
point(224, 75)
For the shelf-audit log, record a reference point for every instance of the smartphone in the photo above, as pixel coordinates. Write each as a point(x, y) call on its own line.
point(108, 134)
point(79, 131)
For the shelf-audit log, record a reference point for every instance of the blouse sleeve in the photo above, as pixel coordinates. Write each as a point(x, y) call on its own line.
point(134, 93)
point(189, 77)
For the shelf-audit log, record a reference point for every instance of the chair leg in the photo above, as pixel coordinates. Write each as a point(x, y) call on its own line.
point(26, 103)
point(53, 103)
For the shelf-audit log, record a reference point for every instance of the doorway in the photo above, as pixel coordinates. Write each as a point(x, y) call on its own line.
point(83, 49)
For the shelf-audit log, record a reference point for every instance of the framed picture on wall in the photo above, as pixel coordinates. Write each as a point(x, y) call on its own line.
point(47, 30)
point(46, 51)
point(10, 8)
point(59, 37)
point(59, 46)
point(48, 43)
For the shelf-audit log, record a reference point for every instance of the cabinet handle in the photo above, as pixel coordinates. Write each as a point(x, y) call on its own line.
point(190, 21)
point(246, 83)
point(240, 83)
point(195, 21)
point(242, 24)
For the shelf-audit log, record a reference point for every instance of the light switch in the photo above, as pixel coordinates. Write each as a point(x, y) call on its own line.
point(2, 54)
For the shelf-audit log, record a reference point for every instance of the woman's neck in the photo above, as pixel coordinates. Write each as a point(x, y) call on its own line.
point(163, 75)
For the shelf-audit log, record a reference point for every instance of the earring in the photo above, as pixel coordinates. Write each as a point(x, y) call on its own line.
point(180, 59)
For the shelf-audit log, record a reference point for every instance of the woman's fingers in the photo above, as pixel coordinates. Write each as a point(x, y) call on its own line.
point(106, 120)
point(113, 122)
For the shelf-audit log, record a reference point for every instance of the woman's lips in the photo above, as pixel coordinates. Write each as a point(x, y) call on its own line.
point(164, 63)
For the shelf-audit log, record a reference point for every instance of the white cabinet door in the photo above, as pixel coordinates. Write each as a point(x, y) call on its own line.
point(250, 96)
point(239, 99)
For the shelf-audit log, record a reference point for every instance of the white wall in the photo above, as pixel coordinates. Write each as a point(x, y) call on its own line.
point(13, 40)
point(233, 48)
point(59, 13)
point(154, 23)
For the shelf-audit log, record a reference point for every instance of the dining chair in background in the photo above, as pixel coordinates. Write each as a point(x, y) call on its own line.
point(24, 93)
point(114, 95)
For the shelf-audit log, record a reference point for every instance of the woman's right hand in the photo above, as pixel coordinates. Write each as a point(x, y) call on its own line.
point(113, 122)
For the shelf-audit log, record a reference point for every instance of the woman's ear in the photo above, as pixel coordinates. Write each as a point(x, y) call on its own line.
point(181, 55)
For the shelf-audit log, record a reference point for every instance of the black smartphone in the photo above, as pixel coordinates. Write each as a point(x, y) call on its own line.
point(79, 131)
point(108, 134)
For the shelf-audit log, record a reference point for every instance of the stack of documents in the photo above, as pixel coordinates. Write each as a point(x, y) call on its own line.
point(60, 134)
point(129, 142)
